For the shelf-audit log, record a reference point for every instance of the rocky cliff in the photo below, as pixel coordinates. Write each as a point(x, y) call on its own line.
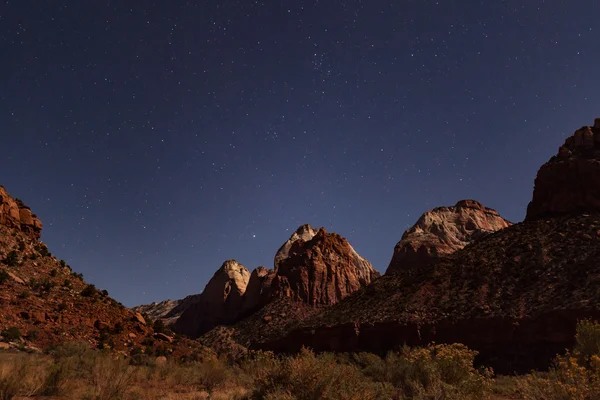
point(321, 271)
point(442, 231)
point(514, 295)
point(219, 304)
point(14, 214)
point(304, 232)
point(48, 303)
point(569, 183)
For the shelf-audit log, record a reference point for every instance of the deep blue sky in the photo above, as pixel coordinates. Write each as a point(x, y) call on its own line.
point(157, 139)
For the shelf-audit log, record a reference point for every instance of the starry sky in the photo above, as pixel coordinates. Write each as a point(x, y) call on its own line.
point(157, 139)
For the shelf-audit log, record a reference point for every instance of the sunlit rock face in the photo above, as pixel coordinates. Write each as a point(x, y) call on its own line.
point(219, 304)
point(442, 231)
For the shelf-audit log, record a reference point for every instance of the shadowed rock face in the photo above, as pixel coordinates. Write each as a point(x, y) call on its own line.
point(321, 271)
point(570, 181)
point(258, 289)
point(219, 304)
point(16, 215)
point(442, 231)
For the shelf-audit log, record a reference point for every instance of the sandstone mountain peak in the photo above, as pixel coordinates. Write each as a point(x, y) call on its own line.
point(304, 232)
point(442, 231)
point(322, 270)
point(16, 215)
point(219, 304)
point(570, 181)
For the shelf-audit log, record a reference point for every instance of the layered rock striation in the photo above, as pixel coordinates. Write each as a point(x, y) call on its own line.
point(15, 214)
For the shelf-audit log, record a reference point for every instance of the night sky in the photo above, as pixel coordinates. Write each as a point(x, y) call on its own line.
point(157, 139)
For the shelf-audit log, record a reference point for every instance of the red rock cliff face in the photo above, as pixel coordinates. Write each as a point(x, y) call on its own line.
point(570, 181)
point(442, 231)
point(321, 271)
point(16, 215)
point(219, 304)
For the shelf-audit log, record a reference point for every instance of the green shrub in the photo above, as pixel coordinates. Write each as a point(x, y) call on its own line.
point(53, 273)
point(12, 259)
point(11, 334)
point(24, 294)
point(89, 291)
point(4, 276)
point(67, 283)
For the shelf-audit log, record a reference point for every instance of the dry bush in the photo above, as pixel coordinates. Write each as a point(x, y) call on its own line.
point(432, 372)
point(110, 377)
point(20, 375)
point(575, 375)
point(310, 377)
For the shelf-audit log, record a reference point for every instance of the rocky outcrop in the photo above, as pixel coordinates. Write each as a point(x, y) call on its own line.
point(161, 310)
point(219, 304)
point(321, 271)
point(569, 182)
point(15, 214)
point(442, 231)
point(304, 232)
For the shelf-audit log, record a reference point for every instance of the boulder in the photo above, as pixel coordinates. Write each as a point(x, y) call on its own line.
point(139, 318)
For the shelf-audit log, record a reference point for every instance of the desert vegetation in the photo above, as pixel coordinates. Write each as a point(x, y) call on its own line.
point(76, 371)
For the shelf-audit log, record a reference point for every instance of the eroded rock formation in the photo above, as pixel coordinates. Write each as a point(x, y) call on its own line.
point(219, 304)
point(304, 232)
point(16, 215)
point(321, 271)
point(442, 231)
point(569, 182)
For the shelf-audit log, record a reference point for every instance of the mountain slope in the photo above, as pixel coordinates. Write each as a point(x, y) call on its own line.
point(515, 295)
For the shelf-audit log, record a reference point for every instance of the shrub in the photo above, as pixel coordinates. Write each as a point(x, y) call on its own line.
point(12, 259)
point(110, 378)
point(53, 273)
point(21, 245)
point(89, 291)
point(24, 294)
point(11, 334)
point(4, 276)
point(575, 375)
point(19, 376)
point(43, 250)
point(309, 377)
point(67, 283)
point(63, 263)
point(159, 326)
